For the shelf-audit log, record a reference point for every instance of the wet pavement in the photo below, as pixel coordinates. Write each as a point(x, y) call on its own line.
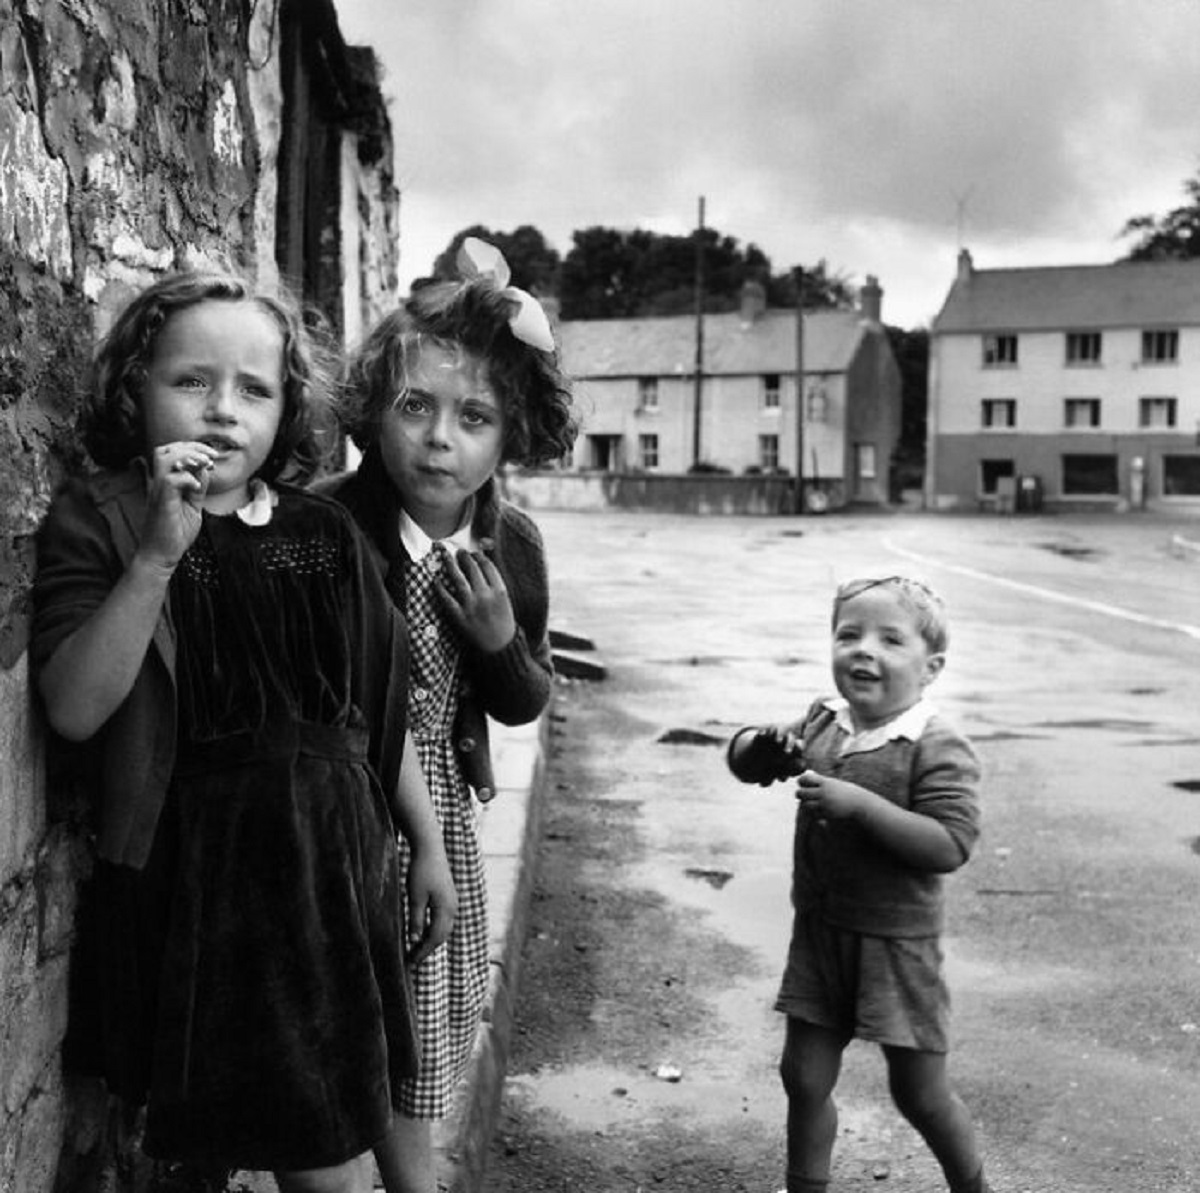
point(645, 1045)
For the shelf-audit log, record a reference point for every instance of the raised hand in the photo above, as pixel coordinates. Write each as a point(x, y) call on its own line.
point(180, 475)
point(475, 596)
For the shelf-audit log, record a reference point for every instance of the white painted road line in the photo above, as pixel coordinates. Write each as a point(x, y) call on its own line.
point(1048, 593)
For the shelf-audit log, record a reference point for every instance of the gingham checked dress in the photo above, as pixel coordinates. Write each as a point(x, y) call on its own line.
point(450, 985)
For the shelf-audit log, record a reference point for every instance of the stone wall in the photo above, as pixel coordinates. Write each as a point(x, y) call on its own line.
point(136, 136)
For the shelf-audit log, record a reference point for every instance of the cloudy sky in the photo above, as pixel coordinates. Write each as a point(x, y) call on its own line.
point(879, 135)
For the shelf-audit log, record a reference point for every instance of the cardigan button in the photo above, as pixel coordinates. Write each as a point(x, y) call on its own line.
point(466, 745)
point(484, 794)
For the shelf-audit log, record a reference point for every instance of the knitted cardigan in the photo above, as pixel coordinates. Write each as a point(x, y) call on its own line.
point(84, 546)
point(511, 685)
point(843, 873)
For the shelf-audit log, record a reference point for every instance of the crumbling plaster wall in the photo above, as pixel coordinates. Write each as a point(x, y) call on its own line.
point(135, 136)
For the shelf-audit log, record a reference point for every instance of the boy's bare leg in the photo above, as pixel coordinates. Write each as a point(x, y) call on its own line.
point(812, 1061)
point(921, 1090)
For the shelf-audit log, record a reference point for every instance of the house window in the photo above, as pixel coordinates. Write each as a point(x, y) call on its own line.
point(999, 412)
point(1083, 347)
point(770, 391)
point(1156, 412)
point(603, 452)
point(1089, 476)
point(1160, 347)
point(647, 393)
point(999, 351)
point(648, 451)
point(1181, 476)
point(768, 452)
point(991, 471)
point(1081, 412)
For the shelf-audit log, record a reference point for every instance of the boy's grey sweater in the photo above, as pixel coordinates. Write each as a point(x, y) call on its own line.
point(845, 874)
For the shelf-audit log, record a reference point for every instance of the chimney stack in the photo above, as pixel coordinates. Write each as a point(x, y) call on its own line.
point(754, 301)
point(870, 299)
point(965, 265)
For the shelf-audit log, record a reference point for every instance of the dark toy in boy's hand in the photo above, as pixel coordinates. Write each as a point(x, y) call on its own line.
point(766, 756)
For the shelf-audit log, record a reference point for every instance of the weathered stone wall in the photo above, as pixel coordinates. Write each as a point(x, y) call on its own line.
point(136, 136)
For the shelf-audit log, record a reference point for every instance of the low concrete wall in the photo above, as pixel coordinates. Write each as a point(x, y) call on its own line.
point(671, 493)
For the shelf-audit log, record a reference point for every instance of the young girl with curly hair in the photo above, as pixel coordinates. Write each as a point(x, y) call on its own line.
point(461, 379)
point(221, 641)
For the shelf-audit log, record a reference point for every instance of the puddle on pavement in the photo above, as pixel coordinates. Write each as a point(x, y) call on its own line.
point(1070, 550)
point(1118, 724)
point(715, 878)
point(688, 737)
point(1006, 735)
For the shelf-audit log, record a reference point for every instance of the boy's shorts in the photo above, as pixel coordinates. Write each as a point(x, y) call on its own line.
point(888, 990)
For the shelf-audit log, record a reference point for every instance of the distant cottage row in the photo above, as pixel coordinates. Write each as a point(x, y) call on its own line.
point(1070, 386)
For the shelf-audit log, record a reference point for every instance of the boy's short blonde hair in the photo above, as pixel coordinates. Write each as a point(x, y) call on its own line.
point(925, 605)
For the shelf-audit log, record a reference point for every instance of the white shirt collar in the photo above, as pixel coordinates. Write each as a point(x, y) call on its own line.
point(263, 499)
point(909, 724)
point(418, 544)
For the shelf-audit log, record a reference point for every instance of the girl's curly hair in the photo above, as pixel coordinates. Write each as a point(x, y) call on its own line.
point(534, 394)
point(112, 426)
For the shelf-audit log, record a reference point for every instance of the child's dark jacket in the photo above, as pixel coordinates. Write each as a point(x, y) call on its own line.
point(84, 546)
point(511, 685)
point(840, 871)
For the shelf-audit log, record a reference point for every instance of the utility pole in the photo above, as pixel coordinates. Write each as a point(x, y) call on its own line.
point(699, 374)
point(798, 278)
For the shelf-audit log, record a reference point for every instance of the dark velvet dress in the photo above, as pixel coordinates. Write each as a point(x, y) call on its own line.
point(274, 1019)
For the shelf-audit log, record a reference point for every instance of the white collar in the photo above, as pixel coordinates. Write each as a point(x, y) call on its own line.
point(418, 544)
point(263, 500)
point(909, 724)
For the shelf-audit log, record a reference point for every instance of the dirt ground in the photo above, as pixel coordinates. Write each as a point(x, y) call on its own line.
point(645, 1046)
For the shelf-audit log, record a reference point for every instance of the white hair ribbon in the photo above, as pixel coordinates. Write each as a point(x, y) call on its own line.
point(478, 259)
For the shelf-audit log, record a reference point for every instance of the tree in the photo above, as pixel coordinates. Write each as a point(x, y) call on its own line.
point(611, 273)
point(911, 349)
point(1172, 237)
point(823, 290)
point(534, 263)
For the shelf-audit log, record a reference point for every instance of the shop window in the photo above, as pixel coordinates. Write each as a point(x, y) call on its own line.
point(1089, 475)
point(991, 472)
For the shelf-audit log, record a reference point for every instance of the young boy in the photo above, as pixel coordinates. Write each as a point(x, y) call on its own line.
point(888, 803)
